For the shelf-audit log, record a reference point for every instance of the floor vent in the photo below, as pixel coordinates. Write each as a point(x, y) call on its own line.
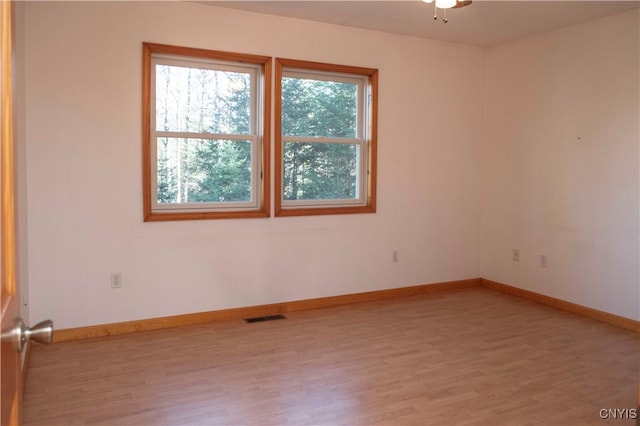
point(267, 318)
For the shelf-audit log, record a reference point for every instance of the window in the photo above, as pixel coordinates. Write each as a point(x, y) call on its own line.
point(206, 134)
point(325, 130)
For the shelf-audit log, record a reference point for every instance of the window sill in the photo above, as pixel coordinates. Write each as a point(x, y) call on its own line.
point(163, 217)
point(314, 211)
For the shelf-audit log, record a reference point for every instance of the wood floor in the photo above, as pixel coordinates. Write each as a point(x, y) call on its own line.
point(475, 357)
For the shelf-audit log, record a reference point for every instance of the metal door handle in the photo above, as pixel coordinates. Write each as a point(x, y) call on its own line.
point(41, 333)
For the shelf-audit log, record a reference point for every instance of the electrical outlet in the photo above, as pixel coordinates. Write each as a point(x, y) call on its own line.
point(116, 280)
point(394, 256)
point(543, 260)
point(516, 255)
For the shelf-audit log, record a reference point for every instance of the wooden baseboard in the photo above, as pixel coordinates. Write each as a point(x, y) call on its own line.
point(102, 330)
point(81, 333)
point(612, 319)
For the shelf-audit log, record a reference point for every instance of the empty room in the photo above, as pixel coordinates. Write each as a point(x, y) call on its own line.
point(320, 212)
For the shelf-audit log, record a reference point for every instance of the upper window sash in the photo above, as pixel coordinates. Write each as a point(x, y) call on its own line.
point(360, 82)
point(252, 70)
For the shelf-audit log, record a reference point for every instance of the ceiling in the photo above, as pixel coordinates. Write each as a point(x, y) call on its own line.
point(484, 23)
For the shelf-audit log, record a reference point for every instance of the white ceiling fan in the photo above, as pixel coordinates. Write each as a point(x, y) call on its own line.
point(447, 4)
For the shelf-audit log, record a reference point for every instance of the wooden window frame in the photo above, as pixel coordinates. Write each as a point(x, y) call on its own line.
point(262, 187)
point(370, 173)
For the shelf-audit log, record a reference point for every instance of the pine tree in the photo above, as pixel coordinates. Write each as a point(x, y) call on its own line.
point(326, 109)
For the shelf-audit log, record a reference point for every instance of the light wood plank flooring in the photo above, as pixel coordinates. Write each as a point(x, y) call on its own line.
point(469, 357)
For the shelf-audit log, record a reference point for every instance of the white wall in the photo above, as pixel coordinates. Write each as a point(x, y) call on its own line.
point(561, 164)
point(83, 142)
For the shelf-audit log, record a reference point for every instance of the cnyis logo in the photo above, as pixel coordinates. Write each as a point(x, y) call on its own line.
point(618, 413)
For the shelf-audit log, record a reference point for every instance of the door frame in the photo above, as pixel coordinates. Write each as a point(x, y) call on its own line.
point(12, 377)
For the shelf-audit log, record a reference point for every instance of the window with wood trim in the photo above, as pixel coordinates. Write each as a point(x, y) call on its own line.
point(325, 138)
point(206, 134)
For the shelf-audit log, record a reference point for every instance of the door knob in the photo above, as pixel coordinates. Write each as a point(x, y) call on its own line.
point(41, 333)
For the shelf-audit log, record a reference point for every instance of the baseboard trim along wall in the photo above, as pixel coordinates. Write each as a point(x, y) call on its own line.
point(563, 305)
point(81, 333)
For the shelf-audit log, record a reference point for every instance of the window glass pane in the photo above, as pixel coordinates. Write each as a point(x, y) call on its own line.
point(202, 100)
point(203, 170)
point(320, 171)
point(319, 108)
